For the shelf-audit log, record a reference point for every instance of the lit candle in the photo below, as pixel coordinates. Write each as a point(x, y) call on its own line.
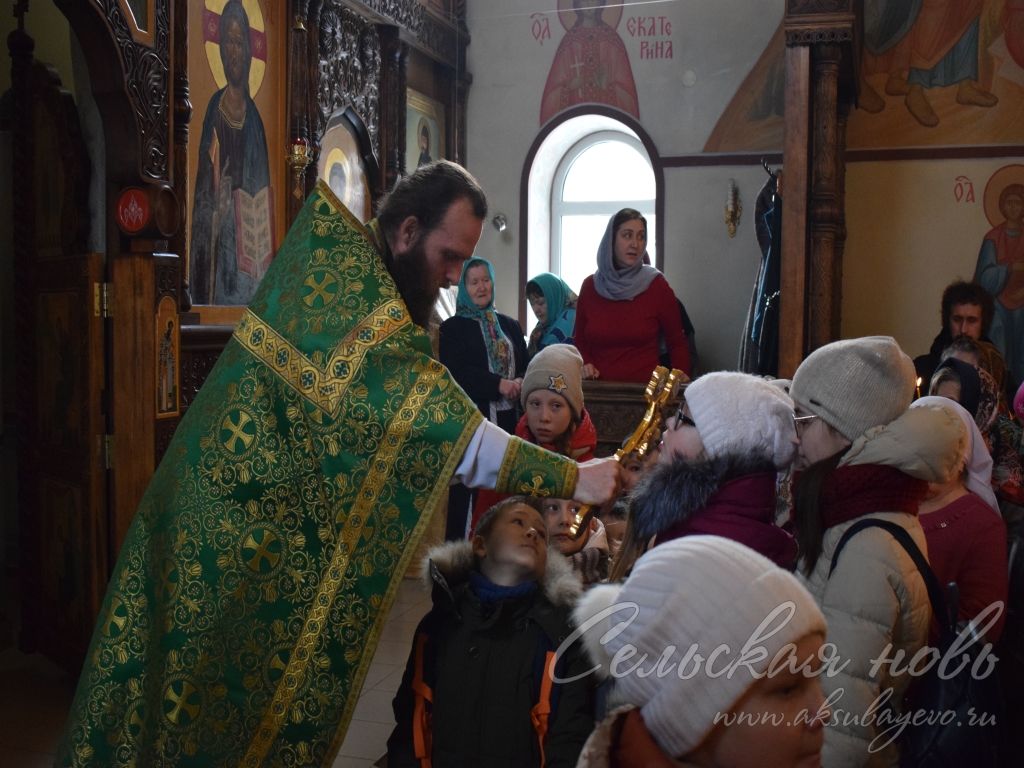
point(918, 387)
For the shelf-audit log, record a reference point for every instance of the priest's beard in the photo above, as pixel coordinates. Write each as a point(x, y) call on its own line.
point(411, 274)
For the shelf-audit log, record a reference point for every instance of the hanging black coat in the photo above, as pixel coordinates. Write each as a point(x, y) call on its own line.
point(759, 349)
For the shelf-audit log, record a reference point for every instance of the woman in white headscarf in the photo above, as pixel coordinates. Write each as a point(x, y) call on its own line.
point(626, 309)
point(966, 534)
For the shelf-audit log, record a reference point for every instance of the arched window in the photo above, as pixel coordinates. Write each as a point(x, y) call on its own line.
point(580, 171)
point(600, 174)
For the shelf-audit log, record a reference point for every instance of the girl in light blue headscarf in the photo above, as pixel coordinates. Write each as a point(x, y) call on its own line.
point(554, 304)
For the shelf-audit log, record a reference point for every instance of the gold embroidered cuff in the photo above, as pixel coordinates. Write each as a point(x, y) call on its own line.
point(529, 469)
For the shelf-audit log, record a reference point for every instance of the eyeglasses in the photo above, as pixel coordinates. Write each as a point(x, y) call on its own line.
point(679, 418)
point(799, 422)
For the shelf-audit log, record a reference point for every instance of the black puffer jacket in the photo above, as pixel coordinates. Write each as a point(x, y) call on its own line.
point(484, 665)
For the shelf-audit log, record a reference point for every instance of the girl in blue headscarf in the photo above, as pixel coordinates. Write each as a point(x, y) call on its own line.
point(554, 304)
point(486, 354)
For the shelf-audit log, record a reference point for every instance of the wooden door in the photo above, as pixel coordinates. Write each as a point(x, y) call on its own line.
point(63, 506)
point(59, 349)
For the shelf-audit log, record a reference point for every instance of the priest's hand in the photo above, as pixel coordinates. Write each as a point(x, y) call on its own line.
point(598, 481)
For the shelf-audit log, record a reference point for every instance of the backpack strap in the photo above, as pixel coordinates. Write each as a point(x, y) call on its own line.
point(931, 581)
point(422, 735)
point(541, 711)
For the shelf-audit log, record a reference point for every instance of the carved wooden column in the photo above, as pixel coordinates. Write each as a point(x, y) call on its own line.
point(182, 116)
point(462, 80)
point(825, 277)
point(461, 95)
point(300, 152)
point(394, 54)
point(21, 47)
point(821, 52)
point(795, 179)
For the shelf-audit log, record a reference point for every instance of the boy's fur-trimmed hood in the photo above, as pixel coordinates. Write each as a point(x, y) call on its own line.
point(672, 492)
point(453, 560)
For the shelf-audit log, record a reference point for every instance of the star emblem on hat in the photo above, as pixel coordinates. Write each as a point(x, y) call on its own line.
point(558, 384)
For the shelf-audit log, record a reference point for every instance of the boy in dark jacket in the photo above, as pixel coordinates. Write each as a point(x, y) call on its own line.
point(478, 689)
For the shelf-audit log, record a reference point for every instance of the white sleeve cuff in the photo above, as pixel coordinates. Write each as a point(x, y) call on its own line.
point(481, 462)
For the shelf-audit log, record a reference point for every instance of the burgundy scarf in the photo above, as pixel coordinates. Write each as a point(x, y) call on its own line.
point(743, 509)
point(854, 491)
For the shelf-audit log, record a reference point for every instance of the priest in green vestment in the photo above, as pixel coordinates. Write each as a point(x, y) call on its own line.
point(250, 591)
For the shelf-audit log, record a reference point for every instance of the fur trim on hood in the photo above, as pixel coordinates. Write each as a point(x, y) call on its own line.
point(453, 561)
point(673, 491)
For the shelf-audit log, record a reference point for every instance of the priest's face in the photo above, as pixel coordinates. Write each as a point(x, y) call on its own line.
point(426, 262)
point(965, 320)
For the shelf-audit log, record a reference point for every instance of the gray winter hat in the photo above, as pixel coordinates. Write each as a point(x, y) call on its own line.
point(855, 384)
point(559, 368)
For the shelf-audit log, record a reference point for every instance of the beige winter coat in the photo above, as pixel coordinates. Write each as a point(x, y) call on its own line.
point(609, 746)
point(876, 603)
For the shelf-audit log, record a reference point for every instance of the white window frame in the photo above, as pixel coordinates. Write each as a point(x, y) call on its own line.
point(560, 207)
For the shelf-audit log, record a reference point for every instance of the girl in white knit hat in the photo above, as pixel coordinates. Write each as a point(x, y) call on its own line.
point(712, 655)
point(720, 458)
point(863, 455)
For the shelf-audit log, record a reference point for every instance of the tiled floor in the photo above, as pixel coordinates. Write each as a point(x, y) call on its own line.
point(373, 720)
point(35, 696)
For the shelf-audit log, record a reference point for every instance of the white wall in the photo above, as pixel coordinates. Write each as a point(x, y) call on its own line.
point(712, 273)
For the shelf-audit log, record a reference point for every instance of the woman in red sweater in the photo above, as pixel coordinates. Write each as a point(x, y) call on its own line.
point(966, 534)
point(626, 308)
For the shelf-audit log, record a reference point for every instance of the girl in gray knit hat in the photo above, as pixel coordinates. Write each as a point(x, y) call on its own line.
point(862, 454)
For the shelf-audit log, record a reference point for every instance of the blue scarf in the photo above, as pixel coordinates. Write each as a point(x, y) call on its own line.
point(561, 310)
point(490, 593)
point(500, 358)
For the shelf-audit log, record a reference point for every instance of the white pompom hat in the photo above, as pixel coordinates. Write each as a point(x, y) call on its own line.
point(738, 414)
point(702, 593)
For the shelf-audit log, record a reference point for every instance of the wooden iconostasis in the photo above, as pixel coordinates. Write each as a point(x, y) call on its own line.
point(215, 119)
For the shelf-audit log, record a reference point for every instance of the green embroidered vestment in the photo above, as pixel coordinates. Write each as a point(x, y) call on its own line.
point(249, 593)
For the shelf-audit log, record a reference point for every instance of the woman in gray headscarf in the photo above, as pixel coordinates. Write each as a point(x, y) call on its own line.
point(627, 308)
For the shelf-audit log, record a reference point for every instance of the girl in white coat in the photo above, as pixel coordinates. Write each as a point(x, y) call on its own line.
point(862, 454)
